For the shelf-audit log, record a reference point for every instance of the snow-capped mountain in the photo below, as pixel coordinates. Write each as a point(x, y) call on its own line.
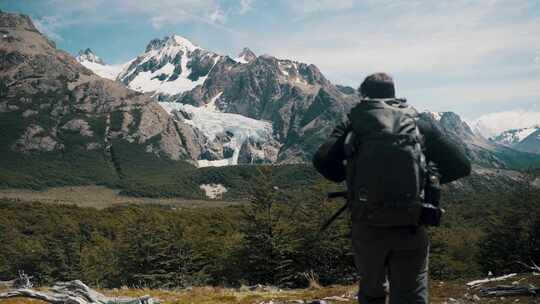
point(511, 129)
point(494, 124)
point(261, 109)
point(514, 136)
point(92, 62)
point(89, 56)
point(169, 66)
point(245, 56)
point(104, 133)
point(301, 103)
point(248, 109)
point(530, 143)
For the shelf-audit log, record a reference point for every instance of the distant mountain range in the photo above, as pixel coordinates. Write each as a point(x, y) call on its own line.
point(290, 105)
point(190, 107)
point(516, 129)
point(298, 103)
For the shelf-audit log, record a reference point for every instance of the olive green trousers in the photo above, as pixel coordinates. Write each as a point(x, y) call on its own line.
point(397, 255)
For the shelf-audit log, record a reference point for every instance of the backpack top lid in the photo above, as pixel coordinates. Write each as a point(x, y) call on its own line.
point(383, 115)
point(391, 100)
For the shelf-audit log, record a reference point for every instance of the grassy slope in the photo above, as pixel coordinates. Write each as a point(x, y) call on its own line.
point(97, 197)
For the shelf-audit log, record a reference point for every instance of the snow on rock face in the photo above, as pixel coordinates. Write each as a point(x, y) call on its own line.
point(213, 191)
point(169, 66)
point(212, 124)
point(89, 56)
point(436, 115)
point(149, 81)
point(95, 64)
point(103, 70)
point(514, 136)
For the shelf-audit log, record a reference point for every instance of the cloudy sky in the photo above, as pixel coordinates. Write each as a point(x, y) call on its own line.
point(471, 57)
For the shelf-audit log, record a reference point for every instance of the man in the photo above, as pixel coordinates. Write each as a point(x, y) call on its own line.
point(393, 246)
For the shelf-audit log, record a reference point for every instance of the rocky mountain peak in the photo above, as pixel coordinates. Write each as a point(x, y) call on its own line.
point(13, 20)
point(171, 41)
point(89, 56)
point(84, 113)
point(246, 56)
point(169, 66)
point(452, 122)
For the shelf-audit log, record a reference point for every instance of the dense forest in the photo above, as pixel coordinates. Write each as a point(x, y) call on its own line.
point(273, 239)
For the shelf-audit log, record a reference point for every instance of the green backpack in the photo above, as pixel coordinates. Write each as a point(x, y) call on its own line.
point(386, 166)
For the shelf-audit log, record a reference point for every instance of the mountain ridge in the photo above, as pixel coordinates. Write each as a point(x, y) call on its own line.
point(295, 97)
point(54, 108)
point(64, 125)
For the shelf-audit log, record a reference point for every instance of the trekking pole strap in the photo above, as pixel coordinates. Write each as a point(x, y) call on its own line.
point(334, 217)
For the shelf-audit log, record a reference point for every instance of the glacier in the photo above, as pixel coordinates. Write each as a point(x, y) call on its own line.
point(212, 122)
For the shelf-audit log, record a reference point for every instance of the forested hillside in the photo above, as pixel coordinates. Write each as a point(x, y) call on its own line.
point(274, 239)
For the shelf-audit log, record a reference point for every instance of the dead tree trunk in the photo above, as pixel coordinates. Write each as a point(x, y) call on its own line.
point(22, 281)
point(74, 292)
point(507, 291)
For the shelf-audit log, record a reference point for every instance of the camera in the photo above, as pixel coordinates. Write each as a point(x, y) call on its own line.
point(431, 212)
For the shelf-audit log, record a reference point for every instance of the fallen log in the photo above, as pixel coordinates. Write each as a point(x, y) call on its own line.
point(74, 292)
point(501, 278)
point(509, 290)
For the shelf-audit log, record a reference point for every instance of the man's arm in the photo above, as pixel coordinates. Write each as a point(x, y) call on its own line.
point(328, 160)
point(451, 160)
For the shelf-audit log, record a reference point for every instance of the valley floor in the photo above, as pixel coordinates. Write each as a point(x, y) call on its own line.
point(97, 197)
point(449, 292)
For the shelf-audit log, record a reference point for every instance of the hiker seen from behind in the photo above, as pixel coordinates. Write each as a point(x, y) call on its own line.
point(393, 164)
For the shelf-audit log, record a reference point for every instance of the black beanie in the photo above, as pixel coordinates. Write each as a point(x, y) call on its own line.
point(378, 85)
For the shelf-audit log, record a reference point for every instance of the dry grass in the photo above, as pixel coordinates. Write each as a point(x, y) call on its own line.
point(97, 197)
point(440, 292)
point(214, 295)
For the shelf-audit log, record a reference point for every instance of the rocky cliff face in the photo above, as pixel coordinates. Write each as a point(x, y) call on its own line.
point(302, 105)
point(480, 150)
point(52, 103)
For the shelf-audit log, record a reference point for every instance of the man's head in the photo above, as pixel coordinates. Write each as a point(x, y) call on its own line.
point(378, 85)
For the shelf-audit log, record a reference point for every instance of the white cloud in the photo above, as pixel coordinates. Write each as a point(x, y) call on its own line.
point(217, 16)
point(495, 123)
point(49, 26)
point(410, 39)
point(160, 13)
point(311, 6)
point(245, 6)
point(476, 93)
